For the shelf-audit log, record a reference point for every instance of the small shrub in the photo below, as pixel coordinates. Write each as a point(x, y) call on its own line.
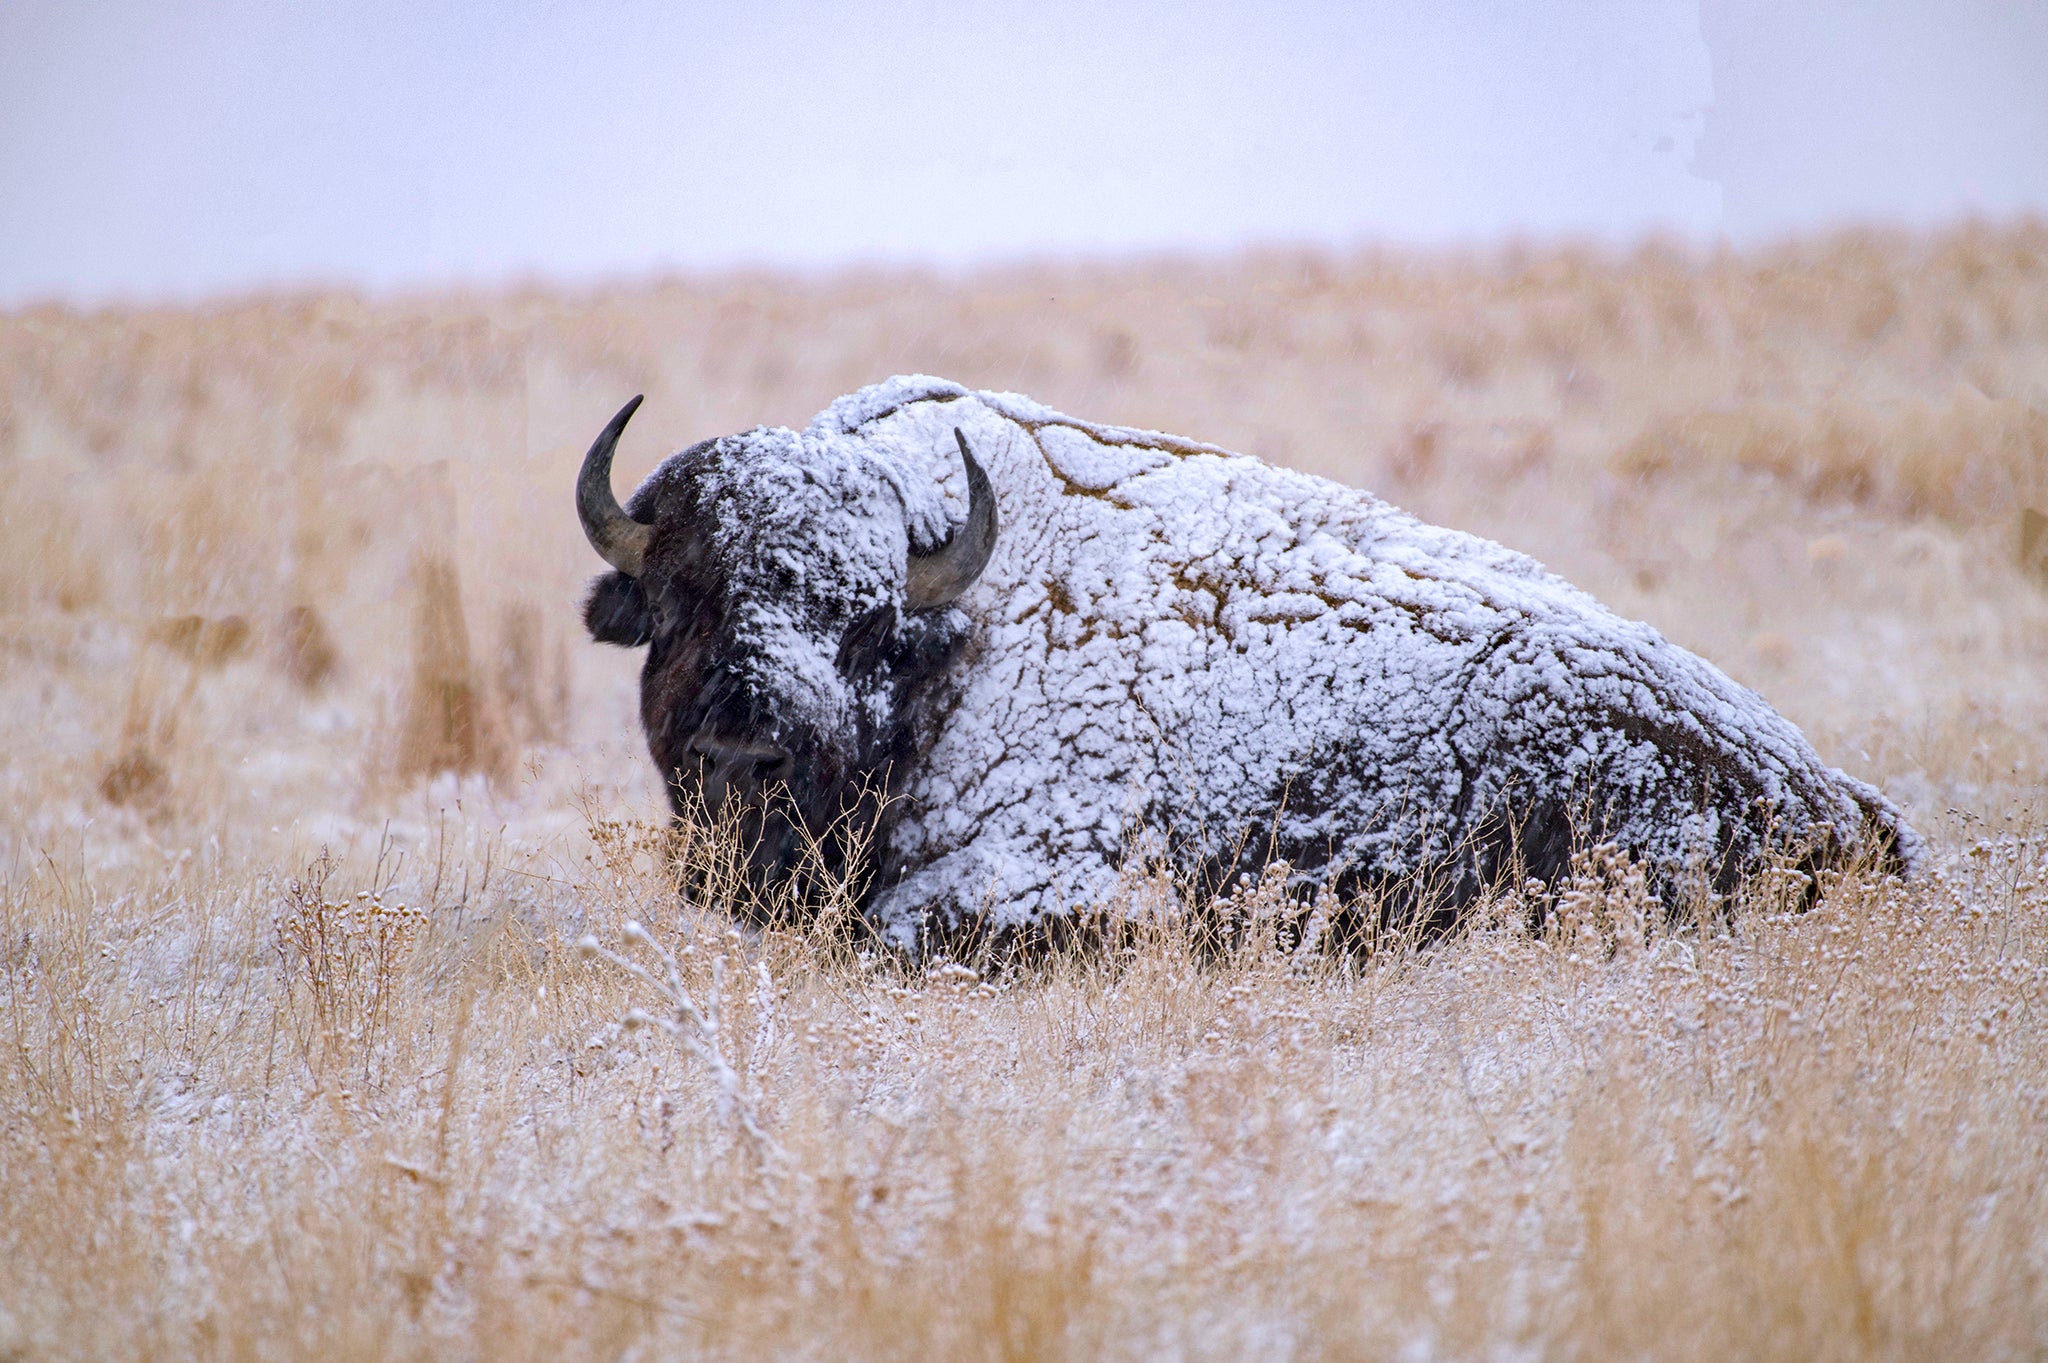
point(306, 649)
point(341, 959)
point(205, 643)
point(2034, 544)
point(134, 777)
point(139, 772)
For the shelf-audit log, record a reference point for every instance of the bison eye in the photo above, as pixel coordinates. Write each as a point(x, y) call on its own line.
point(866, 641)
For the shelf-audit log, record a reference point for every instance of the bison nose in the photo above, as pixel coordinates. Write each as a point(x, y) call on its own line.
point(739, 766)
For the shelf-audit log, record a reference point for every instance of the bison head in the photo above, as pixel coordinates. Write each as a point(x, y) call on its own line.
point(795, 635)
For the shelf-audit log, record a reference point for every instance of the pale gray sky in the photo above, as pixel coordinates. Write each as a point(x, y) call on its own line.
point(153, 151)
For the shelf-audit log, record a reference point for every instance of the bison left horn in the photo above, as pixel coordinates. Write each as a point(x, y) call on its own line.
point(619, 539)
point(936, 579)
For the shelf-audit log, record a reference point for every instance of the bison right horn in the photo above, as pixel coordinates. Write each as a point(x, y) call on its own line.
point(619, 539)
point(935, 580)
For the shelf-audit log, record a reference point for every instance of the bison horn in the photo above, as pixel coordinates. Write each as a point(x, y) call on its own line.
point(619, 539)
point(937, 579)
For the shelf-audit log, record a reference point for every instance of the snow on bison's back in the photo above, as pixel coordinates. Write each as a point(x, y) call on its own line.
point(1170, 646)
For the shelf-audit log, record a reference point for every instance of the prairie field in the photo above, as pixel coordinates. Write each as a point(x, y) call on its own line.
point(348, 1007)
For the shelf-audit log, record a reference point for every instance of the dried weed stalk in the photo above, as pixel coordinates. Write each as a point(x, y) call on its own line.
point(447, 720)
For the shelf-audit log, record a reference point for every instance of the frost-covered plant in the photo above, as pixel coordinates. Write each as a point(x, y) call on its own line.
point(699, 1027)
point(345, 957)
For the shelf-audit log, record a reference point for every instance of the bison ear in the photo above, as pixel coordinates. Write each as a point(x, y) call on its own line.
point(616, 611)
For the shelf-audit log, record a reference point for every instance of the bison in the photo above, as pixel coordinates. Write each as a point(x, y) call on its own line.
point(1111, 643)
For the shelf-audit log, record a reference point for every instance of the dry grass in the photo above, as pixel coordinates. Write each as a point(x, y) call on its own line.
point(311, 795)
point(292, 1116)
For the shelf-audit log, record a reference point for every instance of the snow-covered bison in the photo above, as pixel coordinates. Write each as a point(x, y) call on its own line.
point(1114, 640)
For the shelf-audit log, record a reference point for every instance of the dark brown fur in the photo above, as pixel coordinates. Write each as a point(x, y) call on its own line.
point(831, 790)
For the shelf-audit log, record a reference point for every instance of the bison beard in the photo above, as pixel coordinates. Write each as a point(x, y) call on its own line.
point(1166, 651)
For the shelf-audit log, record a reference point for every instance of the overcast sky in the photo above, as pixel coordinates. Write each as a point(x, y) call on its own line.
point(151, 150)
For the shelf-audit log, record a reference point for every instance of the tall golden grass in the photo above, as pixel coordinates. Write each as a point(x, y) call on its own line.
point(350, 1007)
